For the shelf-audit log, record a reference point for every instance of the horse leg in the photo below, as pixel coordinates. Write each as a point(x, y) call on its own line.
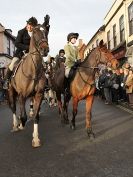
point(12, 105)
point(75, 105)
point(55, 99)
point(37, 103)
point(65, 107)
point(89, 102)
point(23, 116)
point(60, 107)
point(31, 111)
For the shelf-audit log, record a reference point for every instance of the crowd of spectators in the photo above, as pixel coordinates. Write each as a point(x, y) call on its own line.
point(116, 86)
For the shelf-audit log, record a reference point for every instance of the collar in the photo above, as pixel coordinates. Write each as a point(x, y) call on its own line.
point(73, 45)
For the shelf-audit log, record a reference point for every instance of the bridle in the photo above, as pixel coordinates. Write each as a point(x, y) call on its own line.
point(97, 59)
point(38, 44)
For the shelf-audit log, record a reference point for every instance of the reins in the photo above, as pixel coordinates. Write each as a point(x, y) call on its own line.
point(85, 81)
point(89, 67)
point(36, 52)
point(30, 77)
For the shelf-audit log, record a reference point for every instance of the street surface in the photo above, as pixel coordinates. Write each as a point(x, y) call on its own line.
point(68, 153)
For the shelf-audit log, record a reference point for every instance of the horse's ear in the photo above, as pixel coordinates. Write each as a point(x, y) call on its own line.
point(101, 43)
point(46, 22)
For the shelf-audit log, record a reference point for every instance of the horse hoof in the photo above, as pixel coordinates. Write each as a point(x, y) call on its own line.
point(20, 127)
point(36, 144)
point(31, 115)
point(15, 129)
point(91, 135)
point(72, 127)
point(91, 138)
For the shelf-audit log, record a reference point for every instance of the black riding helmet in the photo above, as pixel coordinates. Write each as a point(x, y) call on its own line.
point(32, 21)
point(61, 51)
point(72, 35)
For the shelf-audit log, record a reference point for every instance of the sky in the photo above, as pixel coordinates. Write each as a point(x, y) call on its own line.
point(81, 16)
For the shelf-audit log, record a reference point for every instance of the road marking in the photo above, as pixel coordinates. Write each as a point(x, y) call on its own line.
point(125, 109)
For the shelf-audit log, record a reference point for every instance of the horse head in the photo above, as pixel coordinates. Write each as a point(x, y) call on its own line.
point(106, 56)
point(39, 38)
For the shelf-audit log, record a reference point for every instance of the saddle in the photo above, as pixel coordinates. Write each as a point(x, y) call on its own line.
point(73, 70)
point(71, 76)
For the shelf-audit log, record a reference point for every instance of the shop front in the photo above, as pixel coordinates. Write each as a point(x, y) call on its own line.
point(120, 53)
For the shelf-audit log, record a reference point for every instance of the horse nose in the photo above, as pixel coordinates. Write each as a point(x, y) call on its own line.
point(46, 51)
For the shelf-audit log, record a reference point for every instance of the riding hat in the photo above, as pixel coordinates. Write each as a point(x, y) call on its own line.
point(72, 35)
point(61, 51)
point(32, 21)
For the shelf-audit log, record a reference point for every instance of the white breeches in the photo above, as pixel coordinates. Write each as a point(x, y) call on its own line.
point(67, 70)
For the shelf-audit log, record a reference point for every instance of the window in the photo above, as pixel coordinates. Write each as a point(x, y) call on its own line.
point(108, 39)
point(130, 14)
point(97, 42)
point(114, 35)
point(8, 46)
point(122, 29)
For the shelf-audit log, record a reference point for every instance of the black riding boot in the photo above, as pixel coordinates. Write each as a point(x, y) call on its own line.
point(7, 78)
point(67, 86)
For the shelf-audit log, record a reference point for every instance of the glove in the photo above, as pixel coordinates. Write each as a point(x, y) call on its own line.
point(77, 63)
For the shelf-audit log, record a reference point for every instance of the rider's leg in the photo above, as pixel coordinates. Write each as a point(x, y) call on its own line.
point(9, 73)
point(67, 71)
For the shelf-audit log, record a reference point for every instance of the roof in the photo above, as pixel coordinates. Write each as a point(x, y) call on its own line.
point(110, 9)
point(9, 34)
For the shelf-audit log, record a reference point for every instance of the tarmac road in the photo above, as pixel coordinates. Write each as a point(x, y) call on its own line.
point(67, 153)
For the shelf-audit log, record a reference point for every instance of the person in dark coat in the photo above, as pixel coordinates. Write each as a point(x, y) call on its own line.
point(22, 43)
point(60, 58)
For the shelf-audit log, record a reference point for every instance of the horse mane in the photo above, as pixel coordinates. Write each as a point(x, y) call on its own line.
point(86, 58)
point(102, 46)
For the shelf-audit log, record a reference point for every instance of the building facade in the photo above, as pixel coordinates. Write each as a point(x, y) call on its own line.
point(7, 48)
point(94, 41)
point(117, 31)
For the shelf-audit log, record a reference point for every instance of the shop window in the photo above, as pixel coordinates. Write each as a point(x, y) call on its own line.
point(130, 14)
point(97, 42)
point(122, 28)
point(8, 46)
point(108, 40)
point(114, 36)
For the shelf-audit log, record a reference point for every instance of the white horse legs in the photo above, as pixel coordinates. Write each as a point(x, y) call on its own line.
point(36, 140)
point(15, 123)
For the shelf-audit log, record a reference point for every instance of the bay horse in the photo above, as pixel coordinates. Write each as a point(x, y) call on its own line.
point(57, 83)
point(30, 80)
